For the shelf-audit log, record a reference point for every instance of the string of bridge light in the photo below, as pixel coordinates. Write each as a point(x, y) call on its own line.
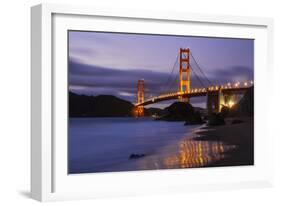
point(235, 85)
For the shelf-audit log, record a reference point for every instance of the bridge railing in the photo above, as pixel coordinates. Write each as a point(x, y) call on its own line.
point(229, 85)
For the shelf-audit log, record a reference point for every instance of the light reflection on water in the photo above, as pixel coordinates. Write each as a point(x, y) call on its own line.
point(197, 154)
point(188, 153)
point(105, 145)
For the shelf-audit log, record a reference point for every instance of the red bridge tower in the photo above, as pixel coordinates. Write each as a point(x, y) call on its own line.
point(139, 110)
point(184, 78)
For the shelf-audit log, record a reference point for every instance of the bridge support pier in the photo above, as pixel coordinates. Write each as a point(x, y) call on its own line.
point(229, 99)
point(183, 99)
point(138, 111)
point(215, 99)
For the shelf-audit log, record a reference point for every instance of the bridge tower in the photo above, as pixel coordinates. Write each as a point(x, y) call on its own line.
point(140, 98)
point(184, 73)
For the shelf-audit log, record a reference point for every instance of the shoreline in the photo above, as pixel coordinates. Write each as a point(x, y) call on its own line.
point(202, 146)
point(241, 135)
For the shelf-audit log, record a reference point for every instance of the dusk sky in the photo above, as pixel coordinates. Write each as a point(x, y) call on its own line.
point(112, 63)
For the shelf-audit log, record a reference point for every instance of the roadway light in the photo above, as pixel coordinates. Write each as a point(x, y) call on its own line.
point(245, 84)
point(230, 103)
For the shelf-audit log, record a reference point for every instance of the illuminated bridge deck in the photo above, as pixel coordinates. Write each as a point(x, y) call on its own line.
point(193, 93)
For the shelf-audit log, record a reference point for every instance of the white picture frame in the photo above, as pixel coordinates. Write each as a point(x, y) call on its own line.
point(48, 136)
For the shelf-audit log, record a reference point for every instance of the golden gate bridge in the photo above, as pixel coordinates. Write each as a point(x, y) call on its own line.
point(217, 95)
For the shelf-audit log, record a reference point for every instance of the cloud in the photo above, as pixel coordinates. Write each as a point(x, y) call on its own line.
point(232, 74)
point(96, 80)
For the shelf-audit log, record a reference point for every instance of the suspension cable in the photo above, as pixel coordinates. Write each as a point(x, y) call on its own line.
point(202, 72)
point(171, 74)
point(197, 76)
point(173, 82)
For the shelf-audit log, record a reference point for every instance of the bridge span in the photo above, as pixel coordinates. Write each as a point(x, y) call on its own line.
point(193, 93)
point(217, 95)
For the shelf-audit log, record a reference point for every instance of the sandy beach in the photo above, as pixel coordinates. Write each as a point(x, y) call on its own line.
point(240, 134)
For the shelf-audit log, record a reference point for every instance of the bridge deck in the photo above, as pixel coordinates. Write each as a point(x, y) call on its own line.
point(193, 93)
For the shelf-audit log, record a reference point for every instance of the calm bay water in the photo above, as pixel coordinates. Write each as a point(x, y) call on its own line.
point(105, 145)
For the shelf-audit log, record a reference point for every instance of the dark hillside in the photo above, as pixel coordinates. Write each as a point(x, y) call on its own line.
point(98, 106)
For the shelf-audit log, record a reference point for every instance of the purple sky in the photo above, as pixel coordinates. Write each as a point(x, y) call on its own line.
point(111, 63)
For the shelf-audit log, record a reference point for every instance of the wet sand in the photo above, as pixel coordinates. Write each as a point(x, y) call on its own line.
point(241, 135)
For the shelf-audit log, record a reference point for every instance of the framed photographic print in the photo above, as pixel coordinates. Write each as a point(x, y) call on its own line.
point(137, 102)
